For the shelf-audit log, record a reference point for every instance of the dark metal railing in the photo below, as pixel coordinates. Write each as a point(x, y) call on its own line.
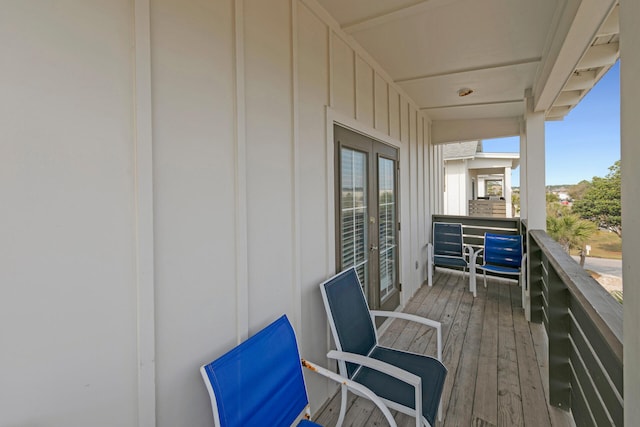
point(582, 320)
point(584, 327)
point(473, 228)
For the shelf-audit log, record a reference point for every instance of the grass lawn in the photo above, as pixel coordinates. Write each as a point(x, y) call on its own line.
point(604, 245)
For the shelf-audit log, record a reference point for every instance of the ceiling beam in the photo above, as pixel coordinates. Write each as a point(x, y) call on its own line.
point(588, 18)
point(474, 104)
point(469, 70)
point(612, 25)
point(599, 56)
point(558, 112)
point(568, 98)
point(581, 80)
point(443, 131)
point(400, 13)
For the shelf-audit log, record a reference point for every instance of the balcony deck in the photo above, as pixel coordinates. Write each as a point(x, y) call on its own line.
point(496, 359)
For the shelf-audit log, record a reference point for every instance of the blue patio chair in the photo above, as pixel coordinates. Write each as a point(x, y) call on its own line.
point(259, 383)
point(408, 382)
point(502, 254)
point(448, 249)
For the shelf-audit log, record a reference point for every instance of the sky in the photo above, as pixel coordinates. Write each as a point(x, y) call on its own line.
point(585, 143)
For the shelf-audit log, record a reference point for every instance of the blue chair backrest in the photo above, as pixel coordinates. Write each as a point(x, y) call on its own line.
point(503, 250)
point(447, 239)
point(260, 382)
point(350, 315)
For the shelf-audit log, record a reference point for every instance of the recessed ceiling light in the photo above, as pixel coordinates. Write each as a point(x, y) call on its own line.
point(465, 91)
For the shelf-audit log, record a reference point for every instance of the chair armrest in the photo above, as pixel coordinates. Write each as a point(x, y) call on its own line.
point(474, 257)
point(468, 249)
point(414, 318)
point(378, 365)
point(362, 390)
point(393, 371)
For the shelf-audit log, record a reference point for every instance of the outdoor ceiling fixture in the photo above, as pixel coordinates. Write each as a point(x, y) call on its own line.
point(464, 92)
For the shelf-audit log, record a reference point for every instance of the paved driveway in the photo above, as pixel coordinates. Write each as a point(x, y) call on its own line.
point(612, 267)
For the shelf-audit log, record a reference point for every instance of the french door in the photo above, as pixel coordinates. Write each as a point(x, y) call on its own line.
point(367, 214)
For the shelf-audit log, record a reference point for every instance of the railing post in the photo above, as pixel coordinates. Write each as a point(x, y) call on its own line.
point(559, 344)
point(534, 280)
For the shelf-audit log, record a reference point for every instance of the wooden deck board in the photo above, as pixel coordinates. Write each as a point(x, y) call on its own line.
point(459, 404)
point(493, 355)
point(485, 405)
point(509, 398)
point(534, 408)
point(454, 342)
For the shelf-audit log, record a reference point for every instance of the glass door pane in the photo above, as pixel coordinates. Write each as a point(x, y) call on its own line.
point(387, 238)
point(367, 215)
point(354, 213)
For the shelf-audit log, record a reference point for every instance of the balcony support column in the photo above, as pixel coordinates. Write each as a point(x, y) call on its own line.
point(630, 153)
point(523, 171)
point(532, 187)
point(507, 192)
point(533, 161)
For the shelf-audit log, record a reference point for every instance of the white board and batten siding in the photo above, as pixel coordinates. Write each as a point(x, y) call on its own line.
point(168, 183)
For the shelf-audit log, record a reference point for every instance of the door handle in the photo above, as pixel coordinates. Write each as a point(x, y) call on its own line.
point(373, 248)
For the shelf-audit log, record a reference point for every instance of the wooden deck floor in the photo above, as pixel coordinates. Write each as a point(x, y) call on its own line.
point(493, 355)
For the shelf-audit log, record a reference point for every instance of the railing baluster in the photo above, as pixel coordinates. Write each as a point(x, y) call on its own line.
point(559, 344)
point(535, 280)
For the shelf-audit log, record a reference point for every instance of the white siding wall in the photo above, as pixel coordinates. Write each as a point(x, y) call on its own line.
point(455, 196)
point(68, 305)
point(240, 195)
point(193, 116)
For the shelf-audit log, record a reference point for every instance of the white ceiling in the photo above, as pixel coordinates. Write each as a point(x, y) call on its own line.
point(498, 48)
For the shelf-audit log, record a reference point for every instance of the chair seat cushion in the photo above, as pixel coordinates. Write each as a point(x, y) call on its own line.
point(431, 370)
point(307, 423)
point(449, 261)
point(499, 269)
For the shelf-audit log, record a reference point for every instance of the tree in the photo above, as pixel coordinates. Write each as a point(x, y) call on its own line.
point(601, 201)
point(515, 202)
point(571, 232)
point(576, 192)
point(551, 198)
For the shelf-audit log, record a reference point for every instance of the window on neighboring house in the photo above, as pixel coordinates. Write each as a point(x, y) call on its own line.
point(493, 187)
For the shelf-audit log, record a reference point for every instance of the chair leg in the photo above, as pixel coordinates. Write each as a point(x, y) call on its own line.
point(343, 405)
point(472, 283)
point(484, 273)
point(430, 266)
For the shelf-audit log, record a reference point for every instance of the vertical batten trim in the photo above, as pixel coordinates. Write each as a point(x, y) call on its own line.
point(328, 161)
point(330, 65)
point(143, 151)
point(330, 214)
point(374, 97)
point(242, 267)
point(388, 108)
point(425, 181)
point(432, 187)
point(354, 58)
point(295, 172)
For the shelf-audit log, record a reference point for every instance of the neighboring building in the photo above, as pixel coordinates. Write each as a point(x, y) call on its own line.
point(472, 176)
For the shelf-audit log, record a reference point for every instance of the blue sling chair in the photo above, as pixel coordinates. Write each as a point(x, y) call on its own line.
point(502, 254)
point(407, 382)
point(448, 249)
point(259, 383)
